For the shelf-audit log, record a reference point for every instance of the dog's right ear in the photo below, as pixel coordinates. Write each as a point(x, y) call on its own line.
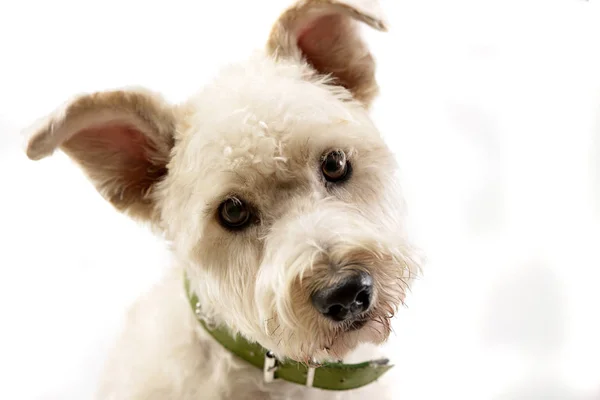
point(122, 139)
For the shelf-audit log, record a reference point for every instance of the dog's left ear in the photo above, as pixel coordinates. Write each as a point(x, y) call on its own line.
point(325, 34)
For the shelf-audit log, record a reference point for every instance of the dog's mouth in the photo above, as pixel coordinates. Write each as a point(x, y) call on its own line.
point(364, 329)
point(356, 325)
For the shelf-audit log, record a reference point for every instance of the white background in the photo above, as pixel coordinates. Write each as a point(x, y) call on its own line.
point(493, 108)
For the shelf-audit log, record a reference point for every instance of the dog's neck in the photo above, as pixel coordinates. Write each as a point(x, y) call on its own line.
point(328, 376)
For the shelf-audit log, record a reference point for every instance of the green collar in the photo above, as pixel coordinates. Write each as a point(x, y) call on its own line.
point(329, 376)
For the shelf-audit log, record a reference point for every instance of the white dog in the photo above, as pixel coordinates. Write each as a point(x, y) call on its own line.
point(279, 199)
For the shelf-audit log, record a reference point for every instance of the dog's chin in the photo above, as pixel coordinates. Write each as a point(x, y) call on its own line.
point(345, 340)
point(359, 332)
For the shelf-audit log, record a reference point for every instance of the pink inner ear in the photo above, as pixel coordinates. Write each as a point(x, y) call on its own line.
point(117, 151)
point(317, 37)
point(124, 139)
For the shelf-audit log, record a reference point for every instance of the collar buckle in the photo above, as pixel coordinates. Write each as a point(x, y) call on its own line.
point(270, 366)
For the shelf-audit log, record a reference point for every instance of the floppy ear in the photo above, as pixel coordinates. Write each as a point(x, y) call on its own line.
point(325, 34)
point(122, 139)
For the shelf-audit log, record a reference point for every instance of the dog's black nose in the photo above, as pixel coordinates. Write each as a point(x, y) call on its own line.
point(346, 299)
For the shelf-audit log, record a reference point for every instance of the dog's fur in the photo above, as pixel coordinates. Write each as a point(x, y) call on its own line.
point(257, 132)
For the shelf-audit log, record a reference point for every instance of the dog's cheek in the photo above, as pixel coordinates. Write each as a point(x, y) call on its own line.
point(264, 299)
point(226, 265)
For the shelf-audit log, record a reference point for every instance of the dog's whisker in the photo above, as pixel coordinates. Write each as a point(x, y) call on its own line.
point(275, 331)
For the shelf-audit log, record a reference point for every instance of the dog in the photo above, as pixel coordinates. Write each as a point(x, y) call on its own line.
point(279, 199)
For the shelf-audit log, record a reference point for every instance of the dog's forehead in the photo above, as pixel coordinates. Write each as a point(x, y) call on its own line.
point(264, 121)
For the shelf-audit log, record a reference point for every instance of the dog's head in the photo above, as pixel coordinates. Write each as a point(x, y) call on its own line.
point(275, 188)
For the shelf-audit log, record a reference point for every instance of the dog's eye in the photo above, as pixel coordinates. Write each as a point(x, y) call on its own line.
point(335, 166)
point(234, 213)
